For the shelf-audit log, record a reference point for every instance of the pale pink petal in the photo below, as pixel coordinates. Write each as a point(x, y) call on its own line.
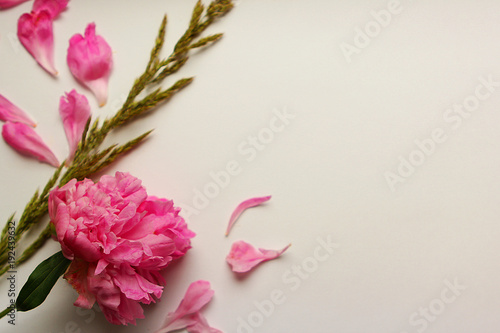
point(90, 61)
point(4, 4)
point(75, 111)
point(197, 296)
point(243, 256)
point(201, 325)
point(244, 205)
point(35, 33)
point(10, 112)
point(54, 7)
point(24, 139)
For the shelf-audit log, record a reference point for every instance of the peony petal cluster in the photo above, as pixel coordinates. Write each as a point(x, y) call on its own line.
point(119, 240)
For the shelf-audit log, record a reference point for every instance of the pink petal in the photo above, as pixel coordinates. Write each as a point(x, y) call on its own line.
point(10, 112)
point(242, 206)
point(75, 111)
point(54, 7)
point(243, 256)
point(35, 33)
point(90, 61)
point(24, 139)
point(197, 296)
point(201, 325)
point(4, 4)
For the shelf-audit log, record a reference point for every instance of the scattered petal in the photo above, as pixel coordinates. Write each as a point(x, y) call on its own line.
point(24, 139)
point(201, 325)
point(244, 205)
point(4, 4)
point(197, 296)
point(75, 112)
point(54, 7)
point(10, 112)
point(35, 33)
point(90, 61)
point(243, 256)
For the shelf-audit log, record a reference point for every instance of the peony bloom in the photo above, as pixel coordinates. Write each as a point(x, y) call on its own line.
point(24, 139)
point(4, 4)
point(10, 112)
point(35, 33)
point(188, 315)
point(243, 257)
point(75, 111)
point(90, 61)
point(119, 239)
point(252, 202)
point(54, 7)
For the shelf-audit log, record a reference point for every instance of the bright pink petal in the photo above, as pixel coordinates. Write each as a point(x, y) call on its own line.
point(243, 256)
point(24, 139)
point(201, 325)
point(54, 7)
point(4, 4)
point(242, 206)
point(10, 112)
point(197, 296)
point(75, 111)
point(35, 33)
point(90, 61)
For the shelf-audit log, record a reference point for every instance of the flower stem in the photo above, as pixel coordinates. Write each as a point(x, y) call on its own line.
point(5, 312)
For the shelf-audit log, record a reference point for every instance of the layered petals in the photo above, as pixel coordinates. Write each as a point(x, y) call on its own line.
point(75, 112)
point(4, 4)
point(119, 239)
point(187, 313)
point(90, 61)
point(252, 202)
point(53, 7)
point(10, 112)
point(26, 141)
point(243, 257)
point(34, 31)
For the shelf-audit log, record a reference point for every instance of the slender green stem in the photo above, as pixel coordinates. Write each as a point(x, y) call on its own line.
point(5, 312)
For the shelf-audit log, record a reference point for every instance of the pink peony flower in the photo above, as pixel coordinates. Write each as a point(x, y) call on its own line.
point(35, 33)
point(119, 239)
point(54, 7)
point(252, 202)
point(26, 141)
point(90, 61)
point(188, 315)
point(10, 112)
point(243, 257)
point(4, 4)
point(75, 111)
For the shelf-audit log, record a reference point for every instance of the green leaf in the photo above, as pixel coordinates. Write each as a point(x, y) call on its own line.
point(41, 281)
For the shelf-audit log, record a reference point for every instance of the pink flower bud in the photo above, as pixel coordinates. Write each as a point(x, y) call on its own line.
point(90, 61)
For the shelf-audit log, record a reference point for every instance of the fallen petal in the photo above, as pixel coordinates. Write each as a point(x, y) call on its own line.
point(201, 325)
point(90, 61)
point(35, 33)
point(54, 7)
point(244, 205)
point(197, 296)
point(243, 256)
point(24, 139)
point(10, 112)
point(4, 4)
point(74, 109)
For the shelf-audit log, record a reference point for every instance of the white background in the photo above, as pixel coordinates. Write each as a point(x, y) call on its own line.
point(354, 121)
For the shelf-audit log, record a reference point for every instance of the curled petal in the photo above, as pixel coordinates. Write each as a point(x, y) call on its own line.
point(10, 112)
point(197, 296)
point(4, 4)
point(243, 256)
point(252, 202)
point(35, 33)
point(90, 61)
point(54, 7)
point(24, 139)
point(201, 325)
point(75, 111)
